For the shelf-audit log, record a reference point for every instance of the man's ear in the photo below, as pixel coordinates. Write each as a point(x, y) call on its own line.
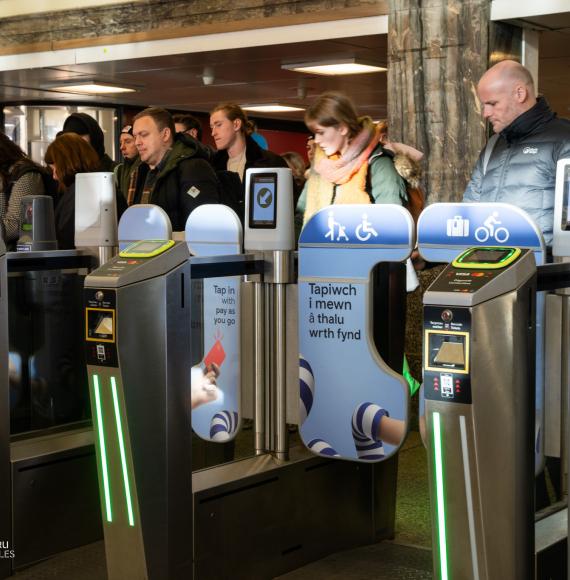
point(167, 136)
point(237, 124)
point(521, 93)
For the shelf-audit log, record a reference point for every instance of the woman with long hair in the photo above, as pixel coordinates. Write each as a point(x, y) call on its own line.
point(350, 164)
point(68, 155)
point(19, 176)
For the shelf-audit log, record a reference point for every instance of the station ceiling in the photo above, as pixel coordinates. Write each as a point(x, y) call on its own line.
point(245, 75)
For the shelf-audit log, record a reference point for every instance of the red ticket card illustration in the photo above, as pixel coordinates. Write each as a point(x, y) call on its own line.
point(216, 355)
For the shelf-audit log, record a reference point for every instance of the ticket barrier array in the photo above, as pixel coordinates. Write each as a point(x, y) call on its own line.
point(293, 509)
point(50, 492)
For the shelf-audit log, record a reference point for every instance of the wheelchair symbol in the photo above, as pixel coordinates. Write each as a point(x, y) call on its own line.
point(365, 231)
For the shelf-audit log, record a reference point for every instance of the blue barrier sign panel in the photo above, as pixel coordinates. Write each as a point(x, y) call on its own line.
point(359, 225)
point(352, 405)
point(445, 229)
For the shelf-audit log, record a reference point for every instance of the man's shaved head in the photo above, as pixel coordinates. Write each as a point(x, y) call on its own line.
point(506, 91)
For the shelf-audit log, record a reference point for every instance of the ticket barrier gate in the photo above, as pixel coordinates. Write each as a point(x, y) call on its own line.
point(446, 229)
point(50, 492)
point(479, 358)
point(545, 538)
point(294, 511)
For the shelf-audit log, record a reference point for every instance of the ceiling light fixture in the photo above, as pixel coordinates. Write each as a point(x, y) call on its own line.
point(90, 88)
point(340, 66)
point(271, 108)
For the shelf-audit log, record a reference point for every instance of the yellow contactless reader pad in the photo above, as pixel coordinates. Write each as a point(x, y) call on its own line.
point(146, 248)
point(487, 258)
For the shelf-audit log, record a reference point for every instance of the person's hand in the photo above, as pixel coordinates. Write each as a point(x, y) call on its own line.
point(212, 372)
point(204, 388)
point(418, 262)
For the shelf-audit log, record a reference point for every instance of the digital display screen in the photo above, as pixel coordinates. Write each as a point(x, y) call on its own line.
point(144, 247)
point(100, 324)
point(447, 351)
point(28, 217)
point(263, 200)
point(450, 353)
point(105, 326)
point(481, 256)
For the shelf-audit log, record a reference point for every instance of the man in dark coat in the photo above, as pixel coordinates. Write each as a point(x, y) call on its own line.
point(179, 177)
point(518, 166)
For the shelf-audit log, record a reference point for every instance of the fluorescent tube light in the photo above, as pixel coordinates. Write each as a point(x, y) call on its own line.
point(271, 108)
point(91, 88)
point(343, 66)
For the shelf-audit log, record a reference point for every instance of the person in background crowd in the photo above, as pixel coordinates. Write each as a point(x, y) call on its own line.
point(236, 150)
point(68, 155)
point(297, 165)
point(180, 178)
point(191, 128)
point(186, 123)
point(518, 165)
point(126, 173)
point(258, 137)
point(88, 128)
point(349, 164)
point(310, 152)
point(19, 176)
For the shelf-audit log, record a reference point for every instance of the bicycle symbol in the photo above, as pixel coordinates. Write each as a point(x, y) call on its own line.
point(365, 231)
point(488, 230)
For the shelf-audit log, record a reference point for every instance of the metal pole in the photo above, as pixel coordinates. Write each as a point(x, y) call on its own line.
point(259, 371)
point(106, 253)
point(281, 448)
point(269, 369)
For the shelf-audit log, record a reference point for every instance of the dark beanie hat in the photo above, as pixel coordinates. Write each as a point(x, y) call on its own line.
point(127, 129)
point(84, 124)
point(75, 124)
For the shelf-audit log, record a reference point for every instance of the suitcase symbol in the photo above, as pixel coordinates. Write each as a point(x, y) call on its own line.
point(457, 227)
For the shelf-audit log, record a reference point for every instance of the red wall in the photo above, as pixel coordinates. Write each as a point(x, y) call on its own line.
point(283, 141)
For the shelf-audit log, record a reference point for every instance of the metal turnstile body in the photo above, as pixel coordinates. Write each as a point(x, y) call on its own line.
point(138, 353)
point(479, 389)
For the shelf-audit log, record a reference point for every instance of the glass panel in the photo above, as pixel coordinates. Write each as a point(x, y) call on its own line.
point(15, 125)
point(48, 379)
point(33, 128)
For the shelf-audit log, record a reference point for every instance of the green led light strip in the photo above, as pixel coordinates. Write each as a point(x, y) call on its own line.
point(440, 499)
point(102, 449)
point(122, 450)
